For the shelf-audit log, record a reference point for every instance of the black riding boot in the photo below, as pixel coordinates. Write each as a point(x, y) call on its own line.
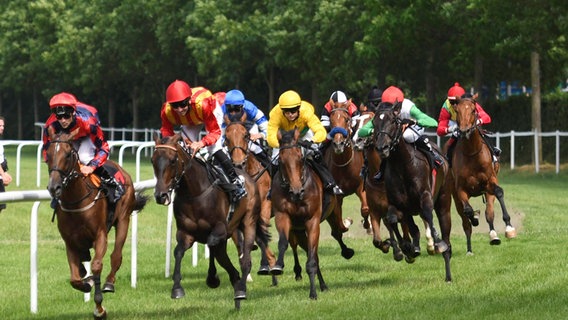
point(423, 143)
point(229, 170)
point(114, 189)
point(495, 152)
point(326, 177)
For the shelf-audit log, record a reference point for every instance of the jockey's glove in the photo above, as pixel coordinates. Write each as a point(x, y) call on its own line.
point(451, 129)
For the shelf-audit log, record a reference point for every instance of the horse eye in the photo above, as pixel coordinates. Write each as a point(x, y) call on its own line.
point(173, 161)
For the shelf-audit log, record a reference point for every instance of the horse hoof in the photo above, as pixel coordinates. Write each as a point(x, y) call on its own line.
point(100, 315)
point(510, 232)
point(347, 222)
point(398, 256)
point(493, 238)
point(475, 218)
point(417, 251)
point(178, 293)
point(366, 224)
point(441, 247)
point(263, 271)
point(276, 270)
point(213, 281)
point(240, 295)
point(347, 253)
point(108, 287)
point(409, 260)
point(495, 242)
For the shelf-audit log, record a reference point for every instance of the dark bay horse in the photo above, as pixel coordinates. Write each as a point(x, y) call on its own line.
point(412, 187)
point(83, 218)
point(474, 174)
point(237, 139)
point(204, 214)
point(297, 202)
point(344, 160)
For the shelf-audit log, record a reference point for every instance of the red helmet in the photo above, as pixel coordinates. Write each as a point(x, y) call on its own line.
point(455, 91)
point(63, 99)
point(178, 91)
point(392, 94)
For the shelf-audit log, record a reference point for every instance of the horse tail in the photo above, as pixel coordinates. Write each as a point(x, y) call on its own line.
point(140, 201)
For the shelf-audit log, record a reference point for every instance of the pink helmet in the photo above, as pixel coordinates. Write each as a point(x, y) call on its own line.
point(63, 99)
point(178, 91)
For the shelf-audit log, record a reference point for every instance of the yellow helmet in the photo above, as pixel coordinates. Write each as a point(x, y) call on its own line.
point(289, 99)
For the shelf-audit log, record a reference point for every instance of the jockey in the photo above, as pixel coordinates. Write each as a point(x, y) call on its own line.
point(374, 98)
point(234, 108)
point(194, 110)
point(447, 121)
point(292, 112)
point(69, 115)
point(373, 101)
point(414, 132)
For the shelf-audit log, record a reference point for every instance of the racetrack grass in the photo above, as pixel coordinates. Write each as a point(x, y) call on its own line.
point(523, 278)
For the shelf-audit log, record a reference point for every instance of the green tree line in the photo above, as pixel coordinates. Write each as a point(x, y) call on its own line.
point(120, 55)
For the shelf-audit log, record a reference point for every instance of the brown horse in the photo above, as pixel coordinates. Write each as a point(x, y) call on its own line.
point(411, 188)
point(475, 174)
point(237, 139)
point(344, 161)
point(83, 218)
point(204, 214)
point(297, 202)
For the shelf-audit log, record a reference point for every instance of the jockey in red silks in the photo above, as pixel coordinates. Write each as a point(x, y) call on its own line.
point(196, 109)
point(447, 121)
point(82, 121)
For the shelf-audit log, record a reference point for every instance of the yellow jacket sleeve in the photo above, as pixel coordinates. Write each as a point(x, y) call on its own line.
point(306, 120)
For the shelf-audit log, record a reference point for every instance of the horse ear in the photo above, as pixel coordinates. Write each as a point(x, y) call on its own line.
point(51, 133)
point(475, 96)
point(175, 138)
point(73, 134)
point(296, 133)
point(279, 134)
point(156, 137)
point(226, 119)
point(243, 117)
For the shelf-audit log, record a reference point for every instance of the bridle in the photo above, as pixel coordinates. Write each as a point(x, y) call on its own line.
point(244, 149)
point(474, 126)
point(70, 175)
point(179, 173)
point(394, 137)
point(284, 183)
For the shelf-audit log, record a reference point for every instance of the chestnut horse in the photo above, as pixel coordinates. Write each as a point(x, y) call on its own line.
point(83, 218)
point(411, 188)
point(204, 214)
point(344, 161)
point(475, 174)
point(237, 139)
point(297, 202)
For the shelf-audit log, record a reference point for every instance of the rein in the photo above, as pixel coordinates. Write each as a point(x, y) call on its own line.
point(394, 139)
point(285, 184)
point(177, 177)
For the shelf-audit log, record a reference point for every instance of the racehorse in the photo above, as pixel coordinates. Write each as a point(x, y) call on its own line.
point(83, 218)
point(475, 174)
point(411, 188)
point(237, 139)
point(297, 203)
point(344, 161)
point(204, 214)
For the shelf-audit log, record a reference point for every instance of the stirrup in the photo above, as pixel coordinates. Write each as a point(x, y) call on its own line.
point(497, 152)
point(240, 192)
point(337, 190)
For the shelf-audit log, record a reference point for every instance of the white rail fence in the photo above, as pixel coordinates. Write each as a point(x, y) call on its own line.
point(145, 146)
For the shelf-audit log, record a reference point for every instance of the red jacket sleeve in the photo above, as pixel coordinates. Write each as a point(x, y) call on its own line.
point(167, 128)
point(483, 116)
point(210, 121)
point(97, 137)
point(443, 122)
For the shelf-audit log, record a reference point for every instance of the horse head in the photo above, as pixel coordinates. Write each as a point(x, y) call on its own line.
point(291, 163)
point(466, 115)
point(237, 139)
point(167, 169)
point(340, 123)
point(62, 161)
point(387, 128)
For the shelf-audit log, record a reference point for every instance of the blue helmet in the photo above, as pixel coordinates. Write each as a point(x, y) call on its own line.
point(235, 97)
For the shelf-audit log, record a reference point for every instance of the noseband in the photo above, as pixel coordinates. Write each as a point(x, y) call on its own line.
point(243, 149)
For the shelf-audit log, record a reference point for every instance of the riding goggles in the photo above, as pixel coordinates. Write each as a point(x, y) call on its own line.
point(62, 112)
point(234, 108)
point(291, 110)
point(180, 104)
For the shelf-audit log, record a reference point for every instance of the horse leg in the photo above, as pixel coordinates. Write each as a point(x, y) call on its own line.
point(76, 281)
point(443, 212)
point(283, 225)
point(376, 230)
point(249, 235)
point(392, 221)
point(121, 231)
point(337, 230)
point(212, 280)
point(362, 195)
point(184, 242)
point(510, 231)
point(466, 224)
point(100, 246)
point(427, 207)
point(219, 251)
point(294, 239)
point(490, 218)
point(312, 265)
point(412, 234)
point(463, 197)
